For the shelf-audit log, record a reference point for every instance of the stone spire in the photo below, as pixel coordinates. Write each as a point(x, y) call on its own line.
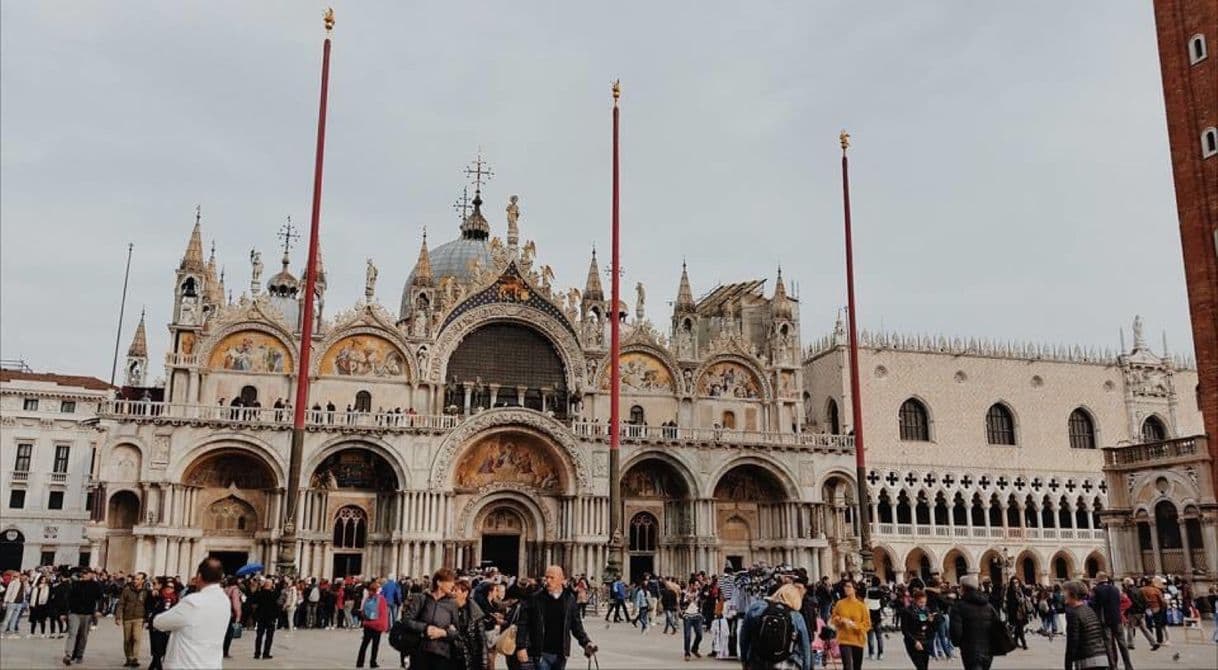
point(139, 343)
point(193, 259)
point(592, 287)
point(685, 295)
point(320, 284)
point(781, 304)
point(422, 269)
point(215, 291)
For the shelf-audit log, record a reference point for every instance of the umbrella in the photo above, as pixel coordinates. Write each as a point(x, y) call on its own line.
point(249, 569)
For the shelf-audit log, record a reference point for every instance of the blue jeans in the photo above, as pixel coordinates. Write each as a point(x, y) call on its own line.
point(942, 643)
point(551, 662)
point(875, 642)
point(693, 627)
point(12, 616)
point(670, 620)
point(644, 618)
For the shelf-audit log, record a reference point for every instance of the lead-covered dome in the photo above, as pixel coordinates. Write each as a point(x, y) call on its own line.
point(452, 259)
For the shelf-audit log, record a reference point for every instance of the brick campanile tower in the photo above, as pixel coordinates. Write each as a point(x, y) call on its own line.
point(1188, 40)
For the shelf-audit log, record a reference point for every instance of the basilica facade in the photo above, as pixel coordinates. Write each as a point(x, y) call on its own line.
point(470, 427)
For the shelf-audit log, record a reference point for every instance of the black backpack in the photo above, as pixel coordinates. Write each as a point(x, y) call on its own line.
point(775, 635)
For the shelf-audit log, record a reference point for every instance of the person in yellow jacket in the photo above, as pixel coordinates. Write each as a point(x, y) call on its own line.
point(852, 621)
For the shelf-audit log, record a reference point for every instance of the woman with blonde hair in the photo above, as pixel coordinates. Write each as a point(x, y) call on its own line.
point(774, 635)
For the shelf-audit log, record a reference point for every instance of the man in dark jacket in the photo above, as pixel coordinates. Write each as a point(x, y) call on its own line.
point(970, 623)
point(266, 614)
point(1084, 632)
point(432, 615)
point(549, 619)
point(83, 600)
point(1107, 604)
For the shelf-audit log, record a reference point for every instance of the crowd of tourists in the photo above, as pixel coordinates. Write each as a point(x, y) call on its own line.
point(764, 618)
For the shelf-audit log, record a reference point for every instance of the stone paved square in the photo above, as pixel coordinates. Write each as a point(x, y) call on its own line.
point(622, 648)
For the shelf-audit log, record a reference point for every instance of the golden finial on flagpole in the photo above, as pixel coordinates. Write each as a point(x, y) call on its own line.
point(329, 19)
point(617, 90)
point(845, 140)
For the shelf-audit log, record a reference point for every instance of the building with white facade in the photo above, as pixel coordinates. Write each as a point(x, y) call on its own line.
point(49, 435)
point(982, 454)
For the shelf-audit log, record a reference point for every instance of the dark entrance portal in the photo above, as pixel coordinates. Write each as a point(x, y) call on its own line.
point(503, 552)
point(231, 560)
point(12, 549)
point(737, 563)
point(346, 565)
point(640, 565)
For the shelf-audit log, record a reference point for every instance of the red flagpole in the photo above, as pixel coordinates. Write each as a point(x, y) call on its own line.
point(856, 398)
point(287, 546)
point(614, 565)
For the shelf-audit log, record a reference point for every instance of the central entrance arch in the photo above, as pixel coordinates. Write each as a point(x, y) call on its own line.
point(656, 494)
point(502, 529)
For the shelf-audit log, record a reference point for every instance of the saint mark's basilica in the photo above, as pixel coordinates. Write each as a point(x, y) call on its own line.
point(470, 428)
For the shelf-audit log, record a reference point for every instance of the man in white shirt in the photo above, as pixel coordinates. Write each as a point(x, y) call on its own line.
point(198, 623)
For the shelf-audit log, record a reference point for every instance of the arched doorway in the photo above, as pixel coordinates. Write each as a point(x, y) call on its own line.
point(1063, 567)
point(503, 529)
point(744, 496)
point(644, 531)
point(955, 566)
point(883, 564)
point(1171, 542)
point(655, 494)
point(917, 564)
point(736, 538)
point(12, 549)
point(350, 537)
point(1027, 567)
point(232, 485)
point(1093, 565)
point(990, 566)
point(354, 490)
point(122, 514)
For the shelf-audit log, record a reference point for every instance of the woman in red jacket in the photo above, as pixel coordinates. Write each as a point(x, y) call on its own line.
point(376, 621)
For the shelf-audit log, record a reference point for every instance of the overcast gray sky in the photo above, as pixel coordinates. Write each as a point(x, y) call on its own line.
point(1010, 167)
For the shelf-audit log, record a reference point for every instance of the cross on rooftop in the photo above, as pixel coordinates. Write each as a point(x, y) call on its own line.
point(480, 171)
point(461, 206)
point(288, 234)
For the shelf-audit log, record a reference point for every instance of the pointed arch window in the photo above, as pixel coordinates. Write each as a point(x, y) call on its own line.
point(643, 531)
point(1209, 142)
point(1082, 430)
point(350, 528)
point(1153, 430)
point(914, 421)
point(832, 418)
point(999, 425)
